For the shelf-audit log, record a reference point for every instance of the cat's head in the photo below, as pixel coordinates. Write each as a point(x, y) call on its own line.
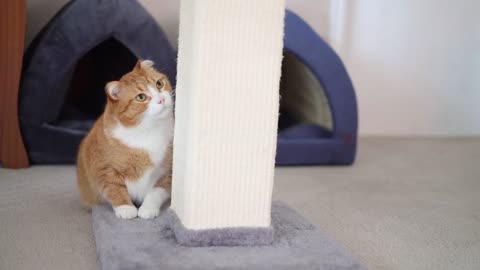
point(143, 94)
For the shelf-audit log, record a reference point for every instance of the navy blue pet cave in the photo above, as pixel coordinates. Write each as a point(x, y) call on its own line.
point(87, 44)
point(302, 138)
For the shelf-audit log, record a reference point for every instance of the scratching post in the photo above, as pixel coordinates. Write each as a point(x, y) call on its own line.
point(230, 53)
point(229, 61)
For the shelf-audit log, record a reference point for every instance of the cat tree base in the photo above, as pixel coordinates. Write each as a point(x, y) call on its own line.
point(151, 244)
point(219, 237)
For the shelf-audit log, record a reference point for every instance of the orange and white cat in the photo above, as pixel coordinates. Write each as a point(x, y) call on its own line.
point(126, 158)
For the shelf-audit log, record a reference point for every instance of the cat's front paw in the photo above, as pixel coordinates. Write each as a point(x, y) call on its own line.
point(146, 212)
point(126, 211)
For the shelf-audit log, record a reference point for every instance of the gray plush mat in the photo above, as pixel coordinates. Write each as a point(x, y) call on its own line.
point(151, 244)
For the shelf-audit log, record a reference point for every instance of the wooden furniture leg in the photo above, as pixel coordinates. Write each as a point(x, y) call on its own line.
point(12, 39)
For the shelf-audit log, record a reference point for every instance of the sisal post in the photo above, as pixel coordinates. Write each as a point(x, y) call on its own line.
point(227, 102)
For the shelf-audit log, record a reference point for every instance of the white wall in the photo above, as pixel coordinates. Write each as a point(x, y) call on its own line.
point(415, 64)
point(39, 12)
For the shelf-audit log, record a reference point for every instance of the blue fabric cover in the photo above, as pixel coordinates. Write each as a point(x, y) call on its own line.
point(307, 144)
point(83, 24)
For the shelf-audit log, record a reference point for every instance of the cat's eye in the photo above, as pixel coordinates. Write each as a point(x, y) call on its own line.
point(141, 97)
point(159, 84)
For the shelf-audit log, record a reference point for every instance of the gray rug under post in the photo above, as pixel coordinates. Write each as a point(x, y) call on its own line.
point(151, 244)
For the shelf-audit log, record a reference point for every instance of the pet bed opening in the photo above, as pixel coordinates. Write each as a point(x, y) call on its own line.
point(303, 100)
point(84, 96)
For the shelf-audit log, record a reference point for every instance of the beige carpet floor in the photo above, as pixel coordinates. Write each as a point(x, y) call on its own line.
point(405, 204)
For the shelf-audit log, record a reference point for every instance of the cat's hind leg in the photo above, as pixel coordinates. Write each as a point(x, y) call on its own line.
point(88, 195)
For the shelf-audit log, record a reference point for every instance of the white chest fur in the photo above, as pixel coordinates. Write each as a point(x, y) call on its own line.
point(155, 139)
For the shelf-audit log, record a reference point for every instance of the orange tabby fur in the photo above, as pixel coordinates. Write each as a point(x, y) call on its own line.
point(104, 163)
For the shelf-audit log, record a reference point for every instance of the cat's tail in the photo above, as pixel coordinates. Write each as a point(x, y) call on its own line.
point(88, 195)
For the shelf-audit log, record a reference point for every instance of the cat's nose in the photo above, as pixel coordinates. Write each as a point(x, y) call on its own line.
point(161, 100)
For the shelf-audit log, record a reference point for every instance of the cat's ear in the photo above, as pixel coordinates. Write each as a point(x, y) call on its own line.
point(112, 89)
point(144, 64)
